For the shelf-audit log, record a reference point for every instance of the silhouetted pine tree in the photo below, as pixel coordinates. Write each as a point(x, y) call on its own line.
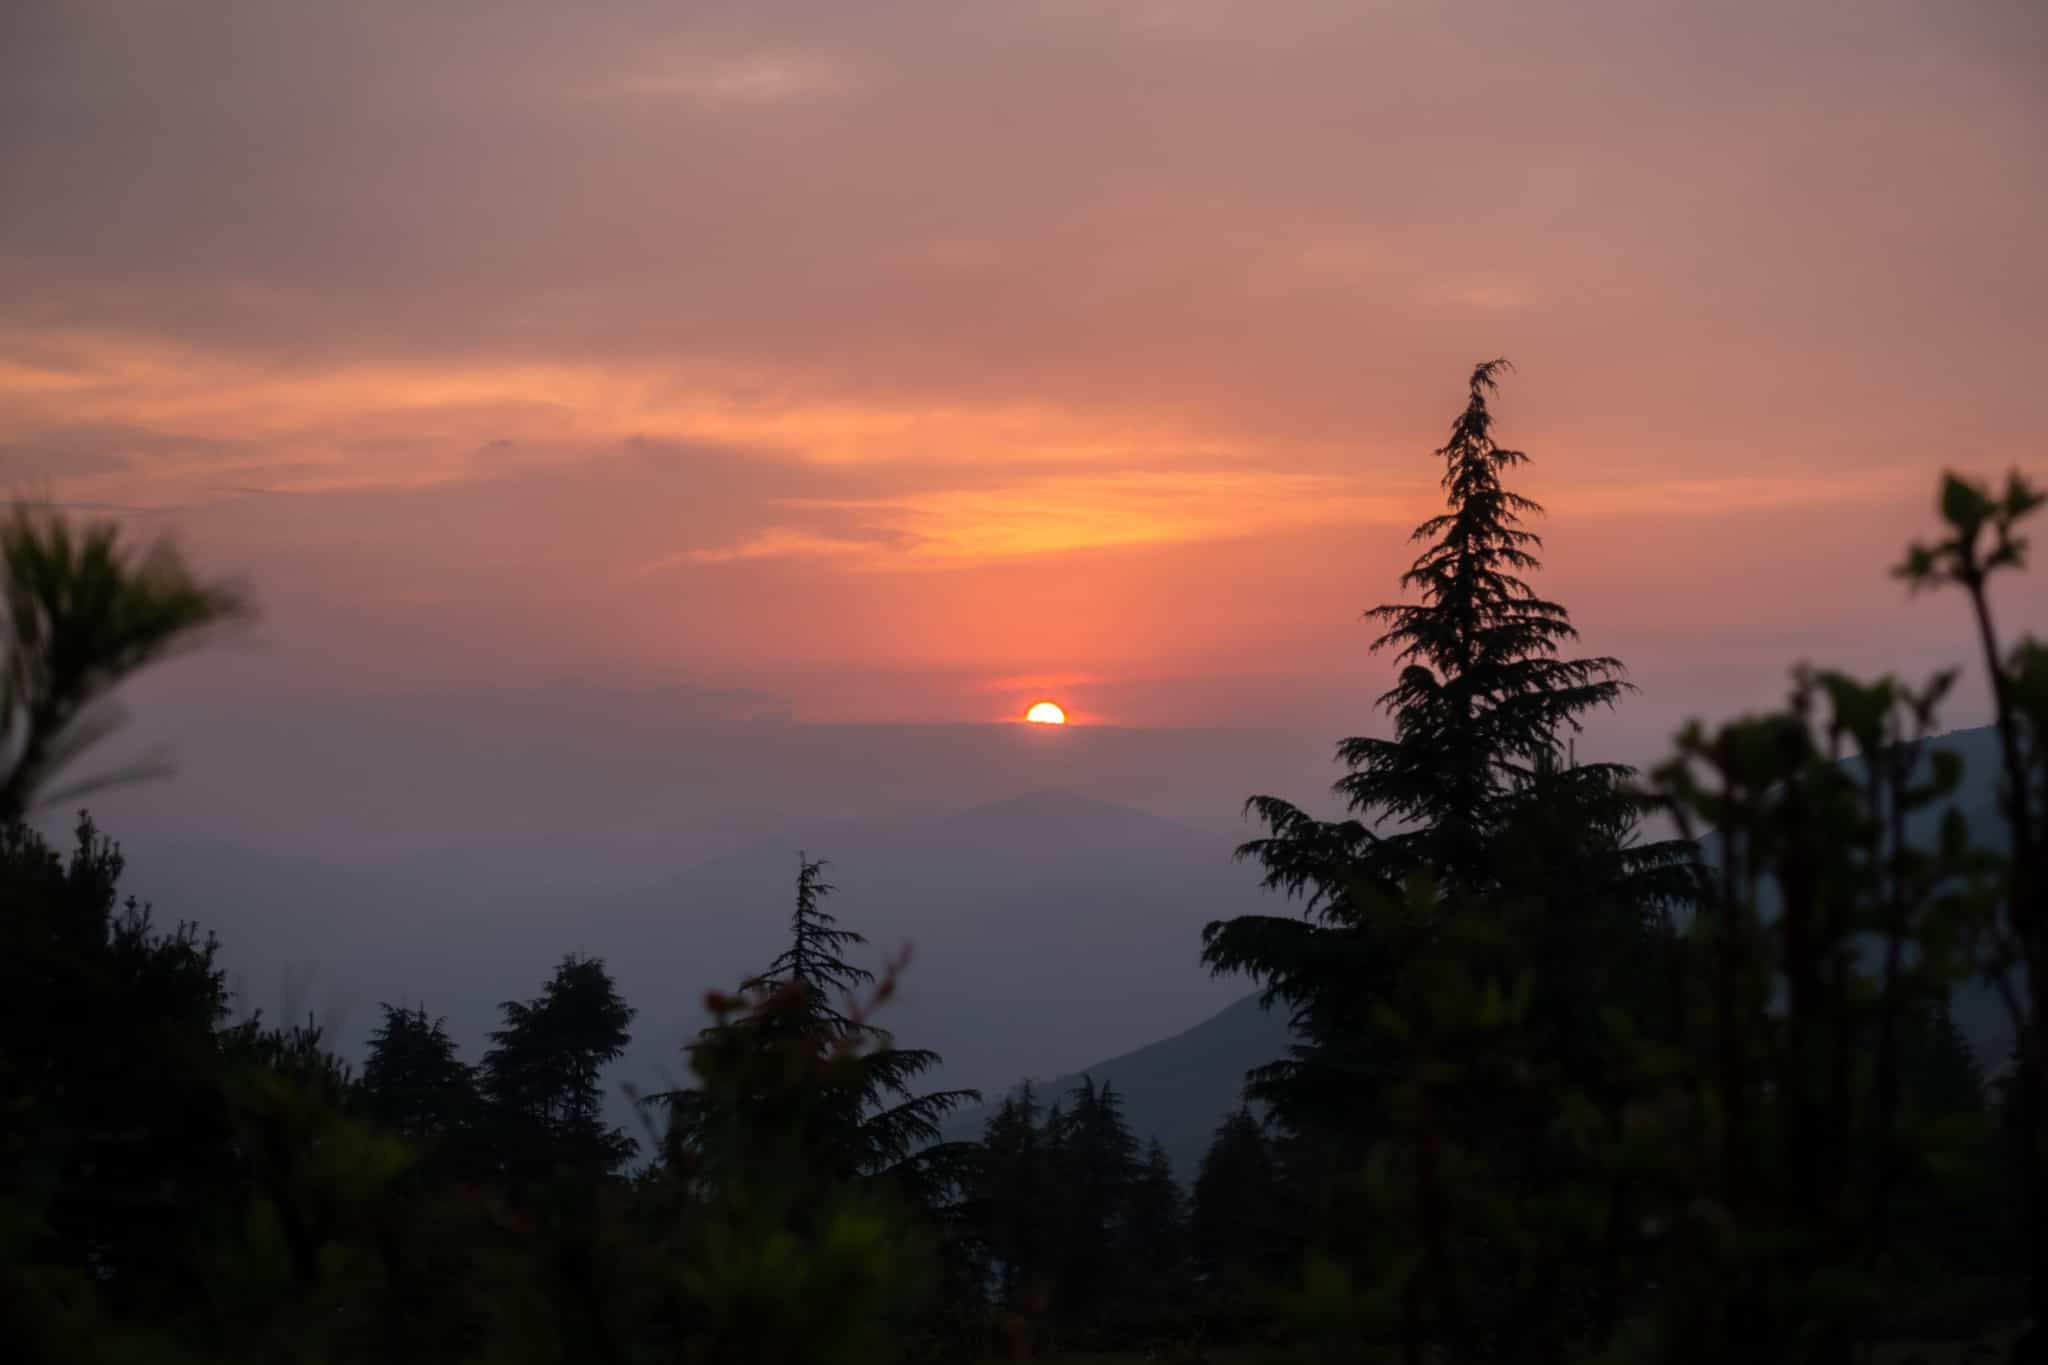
point(1010, 1202)
point(1487, 897)
point(1481, 707)
point(1095, 1161)
point(1155, 1241)
point(540, 1078)
point(1481, 694)
point(412, 1080)
point(875, 1125)
point(1157, 1216)
point(1237, 1198)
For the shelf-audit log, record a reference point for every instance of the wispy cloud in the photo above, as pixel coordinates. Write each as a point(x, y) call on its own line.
point(761, 78)
point(1123, 508)
point(352, 423)
point(774, 542)
point(1496, 296)
point(950, 527)
point(1735, 494)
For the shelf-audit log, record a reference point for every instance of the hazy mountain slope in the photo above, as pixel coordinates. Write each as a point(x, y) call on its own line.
point(1180, 1088)
point(1048, 930)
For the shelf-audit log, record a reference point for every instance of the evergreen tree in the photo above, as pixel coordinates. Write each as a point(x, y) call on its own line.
point(1011, 1200)
point(1236, 1199)
point(1481, 707)
point(1156, 1220)
point(1096, 1162)
point(785, 1254)
point(1482, 693)
point(1100, 1156)
point(1155, 1240)
point(1487, 897)
point(540, 1078)
point(874, 1124)
point(413, 1081)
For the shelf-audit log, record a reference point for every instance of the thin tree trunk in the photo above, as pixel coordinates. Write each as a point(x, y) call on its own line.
point(2024, 916)
point(1426, 1288)
point(1893, 840)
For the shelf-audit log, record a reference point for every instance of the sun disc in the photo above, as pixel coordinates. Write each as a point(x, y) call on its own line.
point(1046, 713)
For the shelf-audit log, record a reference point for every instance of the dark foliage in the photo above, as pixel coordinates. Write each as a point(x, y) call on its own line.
point(875, 1124)
point(1238, 1227)
point(540, 1077)
point(83, 612)
point(1085, 1232)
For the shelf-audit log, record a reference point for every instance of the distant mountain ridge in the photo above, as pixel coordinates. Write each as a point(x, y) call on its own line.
point(1048, 928)
point(1179, 1089)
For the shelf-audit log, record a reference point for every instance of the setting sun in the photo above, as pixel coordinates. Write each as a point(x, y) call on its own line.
point(1045, 713)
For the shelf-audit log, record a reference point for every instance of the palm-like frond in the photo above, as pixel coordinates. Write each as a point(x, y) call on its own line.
point(83, 611)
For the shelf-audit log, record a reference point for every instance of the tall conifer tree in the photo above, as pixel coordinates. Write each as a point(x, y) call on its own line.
point(1482, 705)
point(1232, 1223)
point(1010, 1200)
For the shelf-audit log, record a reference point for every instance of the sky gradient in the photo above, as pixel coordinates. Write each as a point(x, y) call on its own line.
point(902, 362)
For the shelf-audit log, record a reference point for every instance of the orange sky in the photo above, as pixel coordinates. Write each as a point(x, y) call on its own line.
point(910, 361)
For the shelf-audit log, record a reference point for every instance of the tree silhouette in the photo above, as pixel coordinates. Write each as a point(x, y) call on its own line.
point(83, 612)
point(540, 1078)
point(1095, 1157)
point(1984, 539)
point(1481, 708)
point(1155, 1239)
point(1487, 897)
point(874, 1123)
point(1482, 693)
point(1237, 1199)
point(789, 1252)
point(412, 1079)
point(116, 1135)
point(1010, 1202)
